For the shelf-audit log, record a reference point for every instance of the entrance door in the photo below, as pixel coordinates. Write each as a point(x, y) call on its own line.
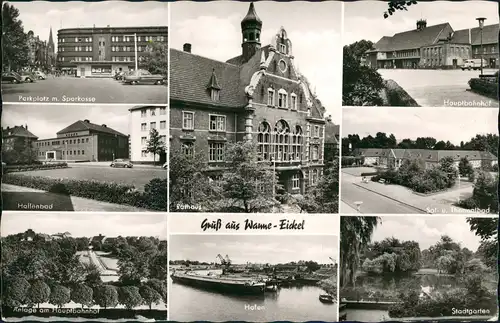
point(82, 71)
point(455, 63)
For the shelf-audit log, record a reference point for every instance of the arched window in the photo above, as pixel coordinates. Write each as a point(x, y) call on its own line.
point(264, 142)
point(281, 140)
point(297, 143)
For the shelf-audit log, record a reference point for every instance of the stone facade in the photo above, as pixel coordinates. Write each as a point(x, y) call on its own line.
point(258, 96)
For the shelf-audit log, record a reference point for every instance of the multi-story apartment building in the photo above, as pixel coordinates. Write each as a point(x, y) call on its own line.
point(84, 141)
point(17, 136)
point(437, 46)
point(142, 120)
point(257, 96)
point(394, 157)
point(102, 51)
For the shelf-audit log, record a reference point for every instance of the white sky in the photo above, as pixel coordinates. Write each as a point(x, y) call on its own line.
point(214, 30)
point(444, 124)
point(45, 120)
point(39, 16)
point(365, 20)
point(427, 230)
point(254, 248)
point(87, 224)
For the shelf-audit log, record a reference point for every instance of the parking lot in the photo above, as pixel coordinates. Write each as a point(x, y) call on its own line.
point(438, 88)
point(83, 90)
point(131, 176)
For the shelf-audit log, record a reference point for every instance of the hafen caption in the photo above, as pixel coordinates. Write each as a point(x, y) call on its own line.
point(283, 224)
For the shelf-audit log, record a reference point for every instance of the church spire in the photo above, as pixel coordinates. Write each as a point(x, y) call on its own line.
point(251, 27)
point(51, 40)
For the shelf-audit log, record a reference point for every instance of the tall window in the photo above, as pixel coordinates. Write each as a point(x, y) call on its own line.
point(282, 99)
point(293, 101)
point(153, 112)
point(264, 141)
point(315, 152)
point(143, 113)
point(281, 140)
point(188, 149)
point(144, 127)
point(297, 144)
point(144, 140)
point(270, 97)
point(163, 111)
point(163, 125)
point(217, 123)
point(316, 131)
point(216, 152)
point(295, 181)
point(187, 120)
point(214, 94)
point(153, 125)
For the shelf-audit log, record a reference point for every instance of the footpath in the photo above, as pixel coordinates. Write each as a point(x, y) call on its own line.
point(106, 164)
point(78, 203)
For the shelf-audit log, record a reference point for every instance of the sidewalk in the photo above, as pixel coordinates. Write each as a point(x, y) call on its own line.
point(79, 204)
point(436, 203)
point(347, 209)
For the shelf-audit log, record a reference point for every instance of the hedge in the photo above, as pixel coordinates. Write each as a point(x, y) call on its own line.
point(486, 87)
point(154, 196)
point(24, 168)
point(369, 174)
point(397, 96)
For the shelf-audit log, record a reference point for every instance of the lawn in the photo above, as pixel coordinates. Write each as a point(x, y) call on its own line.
point(134, 176)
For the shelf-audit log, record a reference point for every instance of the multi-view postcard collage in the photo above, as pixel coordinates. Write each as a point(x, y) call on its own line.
point(249, 161)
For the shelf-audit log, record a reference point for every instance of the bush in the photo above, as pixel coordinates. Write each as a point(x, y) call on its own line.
point(154, 196)
point(485, 87)
point(369, 174)
point(397, 96)
point(24, 168)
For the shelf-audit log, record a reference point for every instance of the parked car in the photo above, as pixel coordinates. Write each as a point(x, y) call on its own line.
point(121, 163)
point(41, 75)
point(143, 77)
point(474, 64)
point(12, 77)
point(28, 77)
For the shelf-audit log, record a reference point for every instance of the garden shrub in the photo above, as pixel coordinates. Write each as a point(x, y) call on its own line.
point(154, 196)
point(485, 86)
point(369, 174)
point(37, 166)
point(397, 96)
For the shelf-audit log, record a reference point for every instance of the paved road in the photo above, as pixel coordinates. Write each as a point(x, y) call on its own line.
point(89, 90)
point(438, 88)
point(131, 176)
point(372, 202)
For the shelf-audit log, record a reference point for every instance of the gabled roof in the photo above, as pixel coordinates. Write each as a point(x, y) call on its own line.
point(490, 35)
point(190, 74)
point(17, 131)
point(412, 39)
point(83, 125)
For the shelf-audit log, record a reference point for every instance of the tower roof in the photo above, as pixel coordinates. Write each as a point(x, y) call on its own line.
point(251, 16)
point(51, 40)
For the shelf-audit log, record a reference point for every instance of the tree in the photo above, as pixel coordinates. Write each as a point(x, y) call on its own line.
point(487, 230)
point(395, 5)
point(485, 193)
point(106, 296)
point(355, 234)
point(155, 144)
point(361, 85)
point(149, 295)
point(447, 165)
point(188, 182)
point(425, 143)
point(59, 295)
point(329, 285)
point(14, 41)
point(15, 291)
point(248, 185)
point(324, 197)
point(19, 151)
point(39, 292)
point(130, 297)
point(82, 294)
point(465, 168)
point(92, 275)
point(159, 286)
point(359, 48)
point(156, 62)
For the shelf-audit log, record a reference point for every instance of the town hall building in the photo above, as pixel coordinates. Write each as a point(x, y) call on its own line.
point(257, 96)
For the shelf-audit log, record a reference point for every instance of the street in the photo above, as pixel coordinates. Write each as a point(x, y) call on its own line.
point(83, 90)
point(372, 202)
point(136, 176)
point(439, 88)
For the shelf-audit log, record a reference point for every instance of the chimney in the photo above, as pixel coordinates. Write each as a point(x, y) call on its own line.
point(104, 125)
point(86, 121)
point(187, 48)
point(26, 126)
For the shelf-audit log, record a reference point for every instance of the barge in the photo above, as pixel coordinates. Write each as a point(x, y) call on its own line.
point(220, 283)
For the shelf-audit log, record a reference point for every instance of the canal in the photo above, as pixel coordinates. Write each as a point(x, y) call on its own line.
point(299, 304)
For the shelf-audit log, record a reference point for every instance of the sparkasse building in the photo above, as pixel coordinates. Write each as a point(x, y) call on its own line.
point(258, 96)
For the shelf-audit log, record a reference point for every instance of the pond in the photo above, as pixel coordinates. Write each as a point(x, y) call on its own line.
point(387, 287)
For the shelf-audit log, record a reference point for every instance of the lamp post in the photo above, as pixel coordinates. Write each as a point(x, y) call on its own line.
point(481, 25)
point(135, 49)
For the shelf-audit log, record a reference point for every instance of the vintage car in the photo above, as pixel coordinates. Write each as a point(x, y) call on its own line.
point(12, 77)
point(143, 77)
point(40, 75)
point(121, 163)
point(28, 77)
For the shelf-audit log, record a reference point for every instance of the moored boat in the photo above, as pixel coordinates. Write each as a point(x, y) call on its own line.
point(325, 298)
point(220, 283)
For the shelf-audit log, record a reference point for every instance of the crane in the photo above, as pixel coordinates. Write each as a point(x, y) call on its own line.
point(222, 260)
point(228, 261)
